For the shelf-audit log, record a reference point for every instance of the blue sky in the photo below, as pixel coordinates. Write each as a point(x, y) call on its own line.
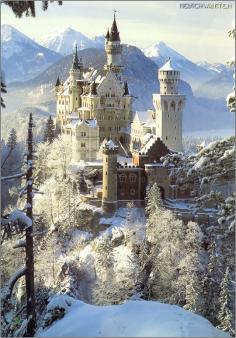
point(199, 34)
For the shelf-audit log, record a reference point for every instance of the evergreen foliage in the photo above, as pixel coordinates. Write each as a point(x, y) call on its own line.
point(12, 139)
point(4, 91)
point(225, 316)
point(49, 133)
point(20, 8)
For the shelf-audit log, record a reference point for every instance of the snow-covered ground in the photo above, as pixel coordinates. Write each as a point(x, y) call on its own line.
point(131, 319)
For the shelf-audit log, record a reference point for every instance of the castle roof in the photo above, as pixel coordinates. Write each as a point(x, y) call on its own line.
point(114, 34)
point(58, 83)
point(93, 88)
point(75, 62)
point(108, 34)
point(167, 66)
point(126, 88)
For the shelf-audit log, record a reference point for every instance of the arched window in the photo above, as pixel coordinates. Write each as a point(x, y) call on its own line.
point(172, 106)
point(132, 178)
point(122, 178)
point(179, 105)
point(165, 106)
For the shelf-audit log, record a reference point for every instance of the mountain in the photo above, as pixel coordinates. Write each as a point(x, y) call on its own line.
point(63, 41)
point(23, 58)
point(140, 72)
point(193, 73)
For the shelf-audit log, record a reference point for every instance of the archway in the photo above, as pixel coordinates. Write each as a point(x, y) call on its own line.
point(121, 139)
point(162, 192)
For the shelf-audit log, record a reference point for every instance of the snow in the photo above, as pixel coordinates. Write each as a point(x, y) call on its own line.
point(200, 163)
point(110, 145)
point(131, 319)
point(167, 66)
point(148, 145)
point(18, 215)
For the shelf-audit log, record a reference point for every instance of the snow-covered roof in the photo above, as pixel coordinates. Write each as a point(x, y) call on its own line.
point(147, 137)
point(110, 145)
point(167, 66)
point(148, 145)
point(76, 122)
point(143, 116)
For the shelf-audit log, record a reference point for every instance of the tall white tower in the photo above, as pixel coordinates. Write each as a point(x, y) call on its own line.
point(113, 48)
point(169, 106)
point(76, 73)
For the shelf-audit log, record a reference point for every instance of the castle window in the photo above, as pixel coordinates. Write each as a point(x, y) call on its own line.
point(106, 172)
point(166, 138)
point(132, 178)
point(83, 145)
point(83, 133)
point(122, 178)
point(132, 191)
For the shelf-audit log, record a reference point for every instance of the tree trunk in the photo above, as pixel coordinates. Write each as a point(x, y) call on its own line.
point(29, 278)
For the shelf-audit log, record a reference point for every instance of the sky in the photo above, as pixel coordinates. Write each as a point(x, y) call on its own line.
point(198, 34)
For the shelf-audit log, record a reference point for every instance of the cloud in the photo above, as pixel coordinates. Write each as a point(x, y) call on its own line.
point(197, 34)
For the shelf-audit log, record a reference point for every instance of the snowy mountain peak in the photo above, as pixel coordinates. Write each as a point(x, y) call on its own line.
point(10, 33)
point(63, 41)
point(162, 50)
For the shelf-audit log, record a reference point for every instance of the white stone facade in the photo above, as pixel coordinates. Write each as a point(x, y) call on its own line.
point(169, 108)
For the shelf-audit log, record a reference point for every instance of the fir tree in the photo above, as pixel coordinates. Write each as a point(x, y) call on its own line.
point(154, 200)
point(20, 8)
point(49, 133)
point(225, 317)
point(3, 90)
point(12, 139)
point(211, 284)
point(11, 144)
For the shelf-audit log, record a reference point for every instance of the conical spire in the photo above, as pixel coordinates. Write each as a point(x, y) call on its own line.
point(126, 88)
point(93, 88)
point(114, 35)
point(75, 63)
point(108, 34)
point(58, 83)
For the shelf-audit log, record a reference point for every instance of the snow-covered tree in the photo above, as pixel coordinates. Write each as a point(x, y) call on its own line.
point(231, 97)
point(49, 133)
point(3, 91)
point(12, 140)
point(27, 8)
point(225, 316)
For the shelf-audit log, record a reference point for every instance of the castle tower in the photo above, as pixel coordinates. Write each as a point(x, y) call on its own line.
point(113, 48)
point(169, 106)
point(76, 73)
point(109, 181)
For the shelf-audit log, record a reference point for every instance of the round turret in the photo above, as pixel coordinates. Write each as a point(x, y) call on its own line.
point(169, 79)
point(109, 183)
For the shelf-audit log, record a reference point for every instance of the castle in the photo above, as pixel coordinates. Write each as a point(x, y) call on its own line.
point(95, 110)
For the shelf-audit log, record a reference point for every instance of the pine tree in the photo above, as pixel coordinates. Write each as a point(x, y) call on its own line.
point(194, 268)
point(225, 316)
point(26, 7)
point(3, 90)
point(12, 139)
point(154, 200)
point(49, 133)
point(211, 284)
point(193, 293)
point(11, 144)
